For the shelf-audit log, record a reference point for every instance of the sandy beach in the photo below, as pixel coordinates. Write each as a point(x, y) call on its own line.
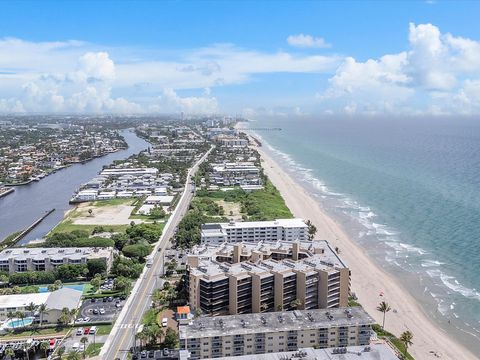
point(368, 279)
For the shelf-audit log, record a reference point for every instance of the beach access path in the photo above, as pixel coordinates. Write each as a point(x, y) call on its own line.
point(368, 279)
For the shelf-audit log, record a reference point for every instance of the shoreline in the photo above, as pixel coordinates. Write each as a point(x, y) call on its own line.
point(368, 279)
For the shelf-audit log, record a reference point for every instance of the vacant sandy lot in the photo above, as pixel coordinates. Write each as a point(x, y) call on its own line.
point(103, 215)
point(230, 206)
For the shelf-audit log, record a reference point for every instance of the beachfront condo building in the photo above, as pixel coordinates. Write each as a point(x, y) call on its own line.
point(47, 259)
point(254, 231)
point(243, 278)
point(374, 351)
point(250, 334)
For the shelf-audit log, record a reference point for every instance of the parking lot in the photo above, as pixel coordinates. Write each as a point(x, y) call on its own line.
point(101, 309)
point(73, 343)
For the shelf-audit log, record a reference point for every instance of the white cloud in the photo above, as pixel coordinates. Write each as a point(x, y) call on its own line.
point(307, 41)
point(433, 75)
point(170, 102)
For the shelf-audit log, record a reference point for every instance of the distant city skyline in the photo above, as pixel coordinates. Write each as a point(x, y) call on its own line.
point(250, 58)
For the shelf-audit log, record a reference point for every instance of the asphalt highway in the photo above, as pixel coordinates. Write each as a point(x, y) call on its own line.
point(121, 338)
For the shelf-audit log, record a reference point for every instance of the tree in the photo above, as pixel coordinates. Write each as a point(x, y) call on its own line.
point(171, 339)
point(55, 286)
point(65, 316)
point(84, 341)
point(96, 266)
point(263, 307)
point(157, 213)
point(154, 332)
point(90, 212)
point(312, 229)
point(122, 283)
point(73, 355)
point(406, 338)
point(142, 336)
point(31, 308)
point(44, 346)
point(96, 282)
point(384, 308)
point(42, 309)
point(61, 351)
point(21, 316)
point(10, 353)
point(137, 251)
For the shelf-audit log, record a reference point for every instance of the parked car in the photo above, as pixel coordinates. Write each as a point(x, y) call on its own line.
point(86, 331)
point(102, 311)
point(86, 319)
point(75, 346)
point(95, 311)
point(164, 322)
point(93, 330)
point(79, 331)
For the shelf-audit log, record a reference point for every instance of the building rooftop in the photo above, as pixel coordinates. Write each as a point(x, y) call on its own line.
point(41, 253)
point(372, 352)
point(274, 322)
point(22, 300)
point(64, 298)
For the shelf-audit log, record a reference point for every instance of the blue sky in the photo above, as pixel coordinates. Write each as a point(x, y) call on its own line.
point(257, 58)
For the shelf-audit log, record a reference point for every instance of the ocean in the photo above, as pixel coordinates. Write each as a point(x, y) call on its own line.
point(407, 190)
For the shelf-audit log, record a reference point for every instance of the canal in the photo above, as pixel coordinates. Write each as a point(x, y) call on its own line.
point(29, 202)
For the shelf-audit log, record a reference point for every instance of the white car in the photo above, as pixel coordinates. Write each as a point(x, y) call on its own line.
point(164, 322)
point(86, 319)
point(79, 331)
point(75, 346)
point(102, 311)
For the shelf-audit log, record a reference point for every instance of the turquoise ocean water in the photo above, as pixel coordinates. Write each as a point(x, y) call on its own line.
point(408, 190)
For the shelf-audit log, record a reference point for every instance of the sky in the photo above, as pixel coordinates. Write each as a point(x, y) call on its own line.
point(252, 58)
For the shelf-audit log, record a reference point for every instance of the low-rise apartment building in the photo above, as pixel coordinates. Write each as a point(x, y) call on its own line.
point(47, 259)
point(55, 301)
point(254, 231)
point(235, 173)
point(250, 334)
point(242, 278)
point(374, 351)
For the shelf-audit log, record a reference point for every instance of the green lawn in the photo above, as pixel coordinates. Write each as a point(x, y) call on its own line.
point(393, 339)
point(68, 226)
point(104, 329)
point(93, 350)
point(35, 332)
point(116, 201)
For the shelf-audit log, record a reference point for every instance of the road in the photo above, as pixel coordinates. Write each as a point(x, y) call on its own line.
point(122, 336)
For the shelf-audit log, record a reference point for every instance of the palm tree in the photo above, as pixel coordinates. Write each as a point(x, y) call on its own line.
point(406, 339)
point(60, 352)
point(10, 315)
point(31, 308)
point(45, 346)
point(21, 316)
point(9, 352)
point(73, 355)
point(143, 337)
point(84, 341)
point(384, 308)
point(25, 348)
point(42, 309)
